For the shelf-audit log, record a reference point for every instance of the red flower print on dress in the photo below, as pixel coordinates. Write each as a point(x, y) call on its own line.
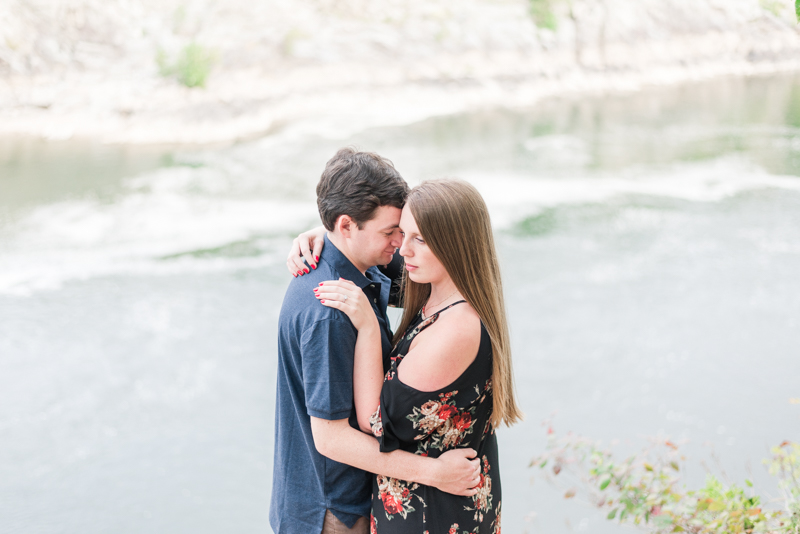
point(446, 412)
point(390, 504)
point(373, 525)
point(462, 422)
point(396, 496)
point(454, 529)
point(441, 423)
point(482, 501)
point(376, 423)
point(496, 522)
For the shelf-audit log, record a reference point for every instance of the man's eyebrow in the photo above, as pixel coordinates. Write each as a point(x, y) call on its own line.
point(391, 227)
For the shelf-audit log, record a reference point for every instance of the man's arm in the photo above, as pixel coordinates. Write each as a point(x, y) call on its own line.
point(453, 472)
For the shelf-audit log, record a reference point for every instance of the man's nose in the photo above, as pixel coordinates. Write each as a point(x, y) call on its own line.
point(397, 239)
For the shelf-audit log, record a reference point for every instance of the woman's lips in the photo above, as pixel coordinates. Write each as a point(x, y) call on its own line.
point(411, 267)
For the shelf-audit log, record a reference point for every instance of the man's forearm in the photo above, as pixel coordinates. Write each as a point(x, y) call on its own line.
point(344, 444)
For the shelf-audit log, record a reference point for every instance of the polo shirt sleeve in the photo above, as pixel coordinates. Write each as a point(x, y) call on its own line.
point(327, 349)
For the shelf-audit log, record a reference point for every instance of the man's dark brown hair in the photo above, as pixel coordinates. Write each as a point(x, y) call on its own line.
point(356, 184)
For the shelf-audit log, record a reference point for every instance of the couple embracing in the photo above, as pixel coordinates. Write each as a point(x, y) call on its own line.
point(418, 408)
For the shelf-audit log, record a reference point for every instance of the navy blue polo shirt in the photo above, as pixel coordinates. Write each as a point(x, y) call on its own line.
point(316, 345)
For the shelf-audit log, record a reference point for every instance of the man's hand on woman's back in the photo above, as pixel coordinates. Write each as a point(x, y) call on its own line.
point(458, 472)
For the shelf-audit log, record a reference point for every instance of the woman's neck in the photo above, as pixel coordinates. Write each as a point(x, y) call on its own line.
point(442, 293)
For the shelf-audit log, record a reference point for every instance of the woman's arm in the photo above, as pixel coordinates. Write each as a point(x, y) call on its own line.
point(368, 361)
point(307, 246)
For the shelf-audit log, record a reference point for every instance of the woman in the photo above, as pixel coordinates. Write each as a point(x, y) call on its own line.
point(449, 384)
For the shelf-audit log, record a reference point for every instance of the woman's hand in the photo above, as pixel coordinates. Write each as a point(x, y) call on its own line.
point(344, 295)
point(307, 246)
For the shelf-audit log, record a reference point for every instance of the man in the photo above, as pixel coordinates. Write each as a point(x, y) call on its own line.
point(321, 475)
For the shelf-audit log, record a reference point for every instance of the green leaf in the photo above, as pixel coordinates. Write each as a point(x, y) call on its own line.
point(663, 520)
point(750, 484)
point(716, 506)
point(612, 514)
point(797, 9)
point(674, 464)
point(604, 484)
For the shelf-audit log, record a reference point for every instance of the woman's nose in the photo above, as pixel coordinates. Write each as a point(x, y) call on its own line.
point(405, 250)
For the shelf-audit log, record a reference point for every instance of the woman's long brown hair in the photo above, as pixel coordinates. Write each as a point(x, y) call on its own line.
point(452, 218)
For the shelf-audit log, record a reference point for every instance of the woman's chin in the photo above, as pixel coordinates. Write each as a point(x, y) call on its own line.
point(415, 277)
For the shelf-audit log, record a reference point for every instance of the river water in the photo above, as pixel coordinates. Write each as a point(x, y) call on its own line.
point(650, 245)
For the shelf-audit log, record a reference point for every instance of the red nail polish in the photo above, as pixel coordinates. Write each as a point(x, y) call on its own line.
point(306, 269)
point(294, 275)
point(314, 267)
point(299, 273)
point(321, 283)
point(316, 258)
point(316, 289)
point(322, 301)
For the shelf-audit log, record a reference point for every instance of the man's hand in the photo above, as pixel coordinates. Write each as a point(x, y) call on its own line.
point(456, 473)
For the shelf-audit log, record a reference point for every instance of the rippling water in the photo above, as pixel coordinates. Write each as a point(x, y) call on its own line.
point(650, 245)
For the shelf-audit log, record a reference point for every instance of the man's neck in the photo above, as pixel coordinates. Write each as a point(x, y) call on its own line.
point(341, 243)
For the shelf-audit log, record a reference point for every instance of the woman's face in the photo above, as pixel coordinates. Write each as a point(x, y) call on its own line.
point(423, 267)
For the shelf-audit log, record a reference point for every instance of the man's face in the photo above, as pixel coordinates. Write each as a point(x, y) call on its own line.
point(375, 243)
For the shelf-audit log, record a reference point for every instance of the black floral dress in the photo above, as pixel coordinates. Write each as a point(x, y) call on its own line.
point(430, 423)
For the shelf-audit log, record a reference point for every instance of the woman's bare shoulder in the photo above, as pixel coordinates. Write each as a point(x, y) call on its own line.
point(443, 351)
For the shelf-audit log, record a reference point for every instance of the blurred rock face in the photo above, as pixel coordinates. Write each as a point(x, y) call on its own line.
point(102, 64)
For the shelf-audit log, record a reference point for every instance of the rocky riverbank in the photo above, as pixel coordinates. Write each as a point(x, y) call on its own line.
point(88, 68)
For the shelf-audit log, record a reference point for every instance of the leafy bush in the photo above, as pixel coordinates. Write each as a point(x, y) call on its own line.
point(192, 66)
point(542, 13)
point(643, 489)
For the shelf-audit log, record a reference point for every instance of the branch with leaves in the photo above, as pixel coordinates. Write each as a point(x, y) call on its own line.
point(644, 489)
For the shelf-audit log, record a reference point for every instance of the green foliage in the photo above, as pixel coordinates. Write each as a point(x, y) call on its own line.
point(773, 6)
point(542, 13)
point(192, 66)
point(536, 225)
point(785, 464)
point(797, 9)
point(643, 489)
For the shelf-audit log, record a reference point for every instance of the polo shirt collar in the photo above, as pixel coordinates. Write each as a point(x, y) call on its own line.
point(343, 265)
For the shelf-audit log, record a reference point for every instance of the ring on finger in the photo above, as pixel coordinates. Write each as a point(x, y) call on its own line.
point(344, 299)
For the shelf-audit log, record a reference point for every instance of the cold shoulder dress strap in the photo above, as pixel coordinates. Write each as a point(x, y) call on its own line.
point(427, 321)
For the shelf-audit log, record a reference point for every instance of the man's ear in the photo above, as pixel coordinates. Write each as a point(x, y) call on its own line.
point(344, 225)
